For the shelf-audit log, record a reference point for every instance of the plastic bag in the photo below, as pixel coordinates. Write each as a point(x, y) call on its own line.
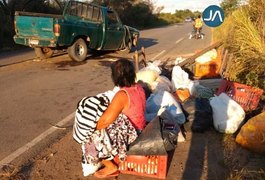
point(252, 134)
point(180, 78)
point(227, 114)
point(153, 66)
point(199, 111)
point(161, 101)
point(147, 76)
point(171, 131)
point(162, 83)
point(203, 92)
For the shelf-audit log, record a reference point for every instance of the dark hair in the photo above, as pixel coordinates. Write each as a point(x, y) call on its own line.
point(199, 16)
point(123, 73)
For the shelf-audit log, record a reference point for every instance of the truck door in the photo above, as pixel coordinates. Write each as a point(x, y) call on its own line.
point(83, 20)
point(114, 31)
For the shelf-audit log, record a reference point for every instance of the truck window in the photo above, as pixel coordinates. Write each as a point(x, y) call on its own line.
point(112, 18)
point(89, 12)
point(79, 10)
point(95, 13)
point(72, 8)
point(84, 11)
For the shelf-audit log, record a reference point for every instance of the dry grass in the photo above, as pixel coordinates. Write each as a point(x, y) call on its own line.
point(243, 34)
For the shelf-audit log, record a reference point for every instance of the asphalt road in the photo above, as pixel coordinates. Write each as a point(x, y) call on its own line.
point(38, 96)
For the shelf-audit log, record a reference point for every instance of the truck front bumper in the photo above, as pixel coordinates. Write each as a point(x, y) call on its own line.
point(31, 42)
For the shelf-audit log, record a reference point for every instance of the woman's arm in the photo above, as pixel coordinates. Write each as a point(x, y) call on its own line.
point(118, 103)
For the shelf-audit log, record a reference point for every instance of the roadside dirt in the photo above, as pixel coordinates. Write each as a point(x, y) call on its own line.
point(208, 155)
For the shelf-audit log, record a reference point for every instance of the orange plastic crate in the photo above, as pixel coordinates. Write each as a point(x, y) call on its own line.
point(246, 96)
point(207, 70)
point(154, 166)
point(210, 69)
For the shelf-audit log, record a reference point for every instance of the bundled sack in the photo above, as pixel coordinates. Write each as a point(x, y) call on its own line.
point(171, 137)
point(157, 103)
point(199, 111)
point(170, 130)
point(180, 78)
point(227, 114)
point(252, 134)
point(153, 66)
point(162, 83)
point(203, 92)
point(147, 76)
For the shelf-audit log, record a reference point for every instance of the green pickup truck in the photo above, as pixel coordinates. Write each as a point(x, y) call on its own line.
point(82, 26)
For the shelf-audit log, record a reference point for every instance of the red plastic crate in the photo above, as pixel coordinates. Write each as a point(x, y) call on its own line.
point(154, 166)
point(246, 96)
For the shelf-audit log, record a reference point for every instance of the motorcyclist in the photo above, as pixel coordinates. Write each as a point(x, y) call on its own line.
point(197, 24)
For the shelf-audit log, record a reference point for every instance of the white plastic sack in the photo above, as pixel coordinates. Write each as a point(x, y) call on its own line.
point(180, 78)
point(152, 66)
point(157, 103)
point(192, 86)
point(227, 114)
point(147, 76)
point(179, 60)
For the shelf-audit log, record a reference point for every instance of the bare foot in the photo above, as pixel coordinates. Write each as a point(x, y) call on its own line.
point(110, 168)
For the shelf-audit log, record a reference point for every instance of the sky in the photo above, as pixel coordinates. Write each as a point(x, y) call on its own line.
point(172, 5)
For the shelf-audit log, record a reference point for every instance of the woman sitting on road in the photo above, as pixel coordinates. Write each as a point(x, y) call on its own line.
point(120, 123)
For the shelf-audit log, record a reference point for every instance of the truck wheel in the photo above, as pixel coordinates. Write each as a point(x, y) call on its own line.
point(43, 53)
point(127, 49)
point(78, 51)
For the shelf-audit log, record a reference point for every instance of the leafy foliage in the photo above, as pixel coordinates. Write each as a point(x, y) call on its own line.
point(229, 5)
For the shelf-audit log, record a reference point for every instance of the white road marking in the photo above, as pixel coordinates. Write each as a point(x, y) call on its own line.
point(162, 52)
point(32, 143)
point(178, 41)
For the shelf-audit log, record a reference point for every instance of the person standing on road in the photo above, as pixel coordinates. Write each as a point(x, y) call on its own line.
point(120, 123)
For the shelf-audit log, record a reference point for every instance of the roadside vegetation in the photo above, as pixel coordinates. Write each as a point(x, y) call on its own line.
point(141, 14)
point(243, 34)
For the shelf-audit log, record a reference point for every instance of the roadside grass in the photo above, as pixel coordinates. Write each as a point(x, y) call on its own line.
point(247, 174)
point(239, 161)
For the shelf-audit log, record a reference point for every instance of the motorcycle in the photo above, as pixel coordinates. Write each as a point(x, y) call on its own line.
point(197, 34)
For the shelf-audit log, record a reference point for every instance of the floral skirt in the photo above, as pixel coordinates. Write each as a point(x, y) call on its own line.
point(109, 142)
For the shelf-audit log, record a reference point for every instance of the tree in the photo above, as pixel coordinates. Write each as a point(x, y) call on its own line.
point(229, 5)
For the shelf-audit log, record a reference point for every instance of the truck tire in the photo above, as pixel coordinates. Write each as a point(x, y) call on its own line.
point(43, 53)
point(78, 51)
